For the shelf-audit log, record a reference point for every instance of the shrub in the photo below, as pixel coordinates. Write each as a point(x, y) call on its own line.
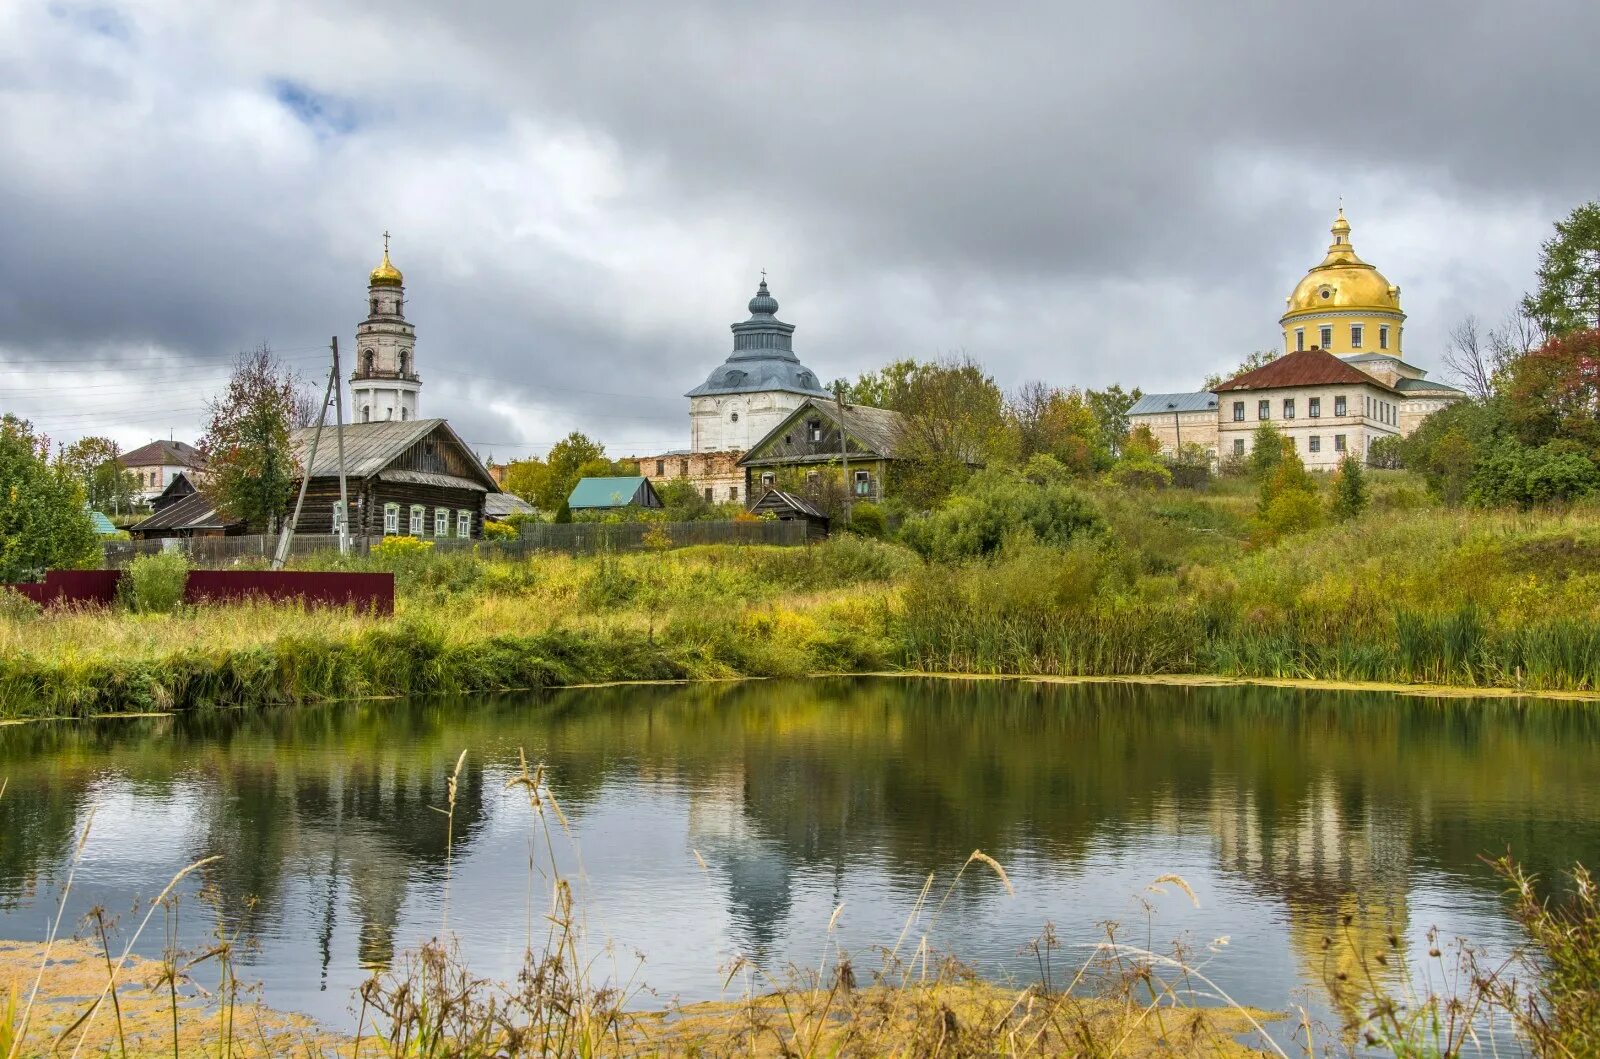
point(1292, 511)
point(1140, 472)
point(996, 505)
point(17, 608)
point(153, 584)
point(656, 538)
point(1350, 494)
point(867, 520)
point(401, 556)
point(1514, 474)
point(498, 531)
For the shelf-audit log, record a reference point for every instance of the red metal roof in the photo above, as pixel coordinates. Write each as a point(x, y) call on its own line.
point(1307, 367)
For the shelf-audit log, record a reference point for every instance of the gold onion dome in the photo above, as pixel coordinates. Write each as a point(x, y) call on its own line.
point(386, 275)
point(1343, 281)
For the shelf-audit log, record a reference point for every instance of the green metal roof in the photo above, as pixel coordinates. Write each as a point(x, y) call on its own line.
point(604, 492)
point(103, 525)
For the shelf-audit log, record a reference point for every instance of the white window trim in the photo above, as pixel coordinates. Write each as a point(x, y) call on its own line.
point(418, 519)
point(441, 522)
point(463, 524)
point(391, 519)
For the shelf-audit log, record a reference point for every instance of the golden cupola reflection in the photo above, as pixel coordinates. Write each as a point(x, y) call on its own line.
point(1344, 305)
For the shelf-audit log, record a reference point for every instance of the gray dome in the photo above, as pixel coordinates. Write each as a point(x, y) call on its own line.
point(763, 357)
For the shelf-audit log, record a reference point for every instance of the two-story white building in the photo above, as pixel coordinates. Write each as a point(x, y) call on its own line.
point(1326, 407)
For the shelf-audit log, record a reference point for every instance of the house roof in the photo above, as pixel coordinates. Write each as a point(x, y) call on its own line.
point(876, 429)
point(1423, 385)
point(370, 447)
point(102, 525)
point(605, 492)
point(763, 357)
point(1152, 403)
point(778, 498)
point(163, 454)
point(1306, 367)
point(499, 505)
point(195, 511)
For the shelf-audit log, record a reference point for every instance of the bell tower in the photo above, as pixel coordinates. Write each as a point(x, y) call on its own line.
point(384, 383)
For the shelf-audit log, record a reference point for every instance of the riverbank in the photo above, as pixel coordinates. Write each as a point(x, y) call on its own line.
point(1408, 599)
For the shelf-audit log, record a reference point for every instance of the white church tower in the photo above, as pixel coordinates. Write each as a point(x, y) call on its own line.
point(384, 384)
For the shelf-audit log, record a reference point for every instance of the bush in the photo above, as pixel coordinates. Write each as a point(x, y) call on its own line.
point(17, 608)
point(402, 556)
point(996, 505)
point(154, 584)
point(1514, 474)
point(1141, 472)
point(1292, 511)
point(498, 531)
point(867, 520)
point(1350, 496)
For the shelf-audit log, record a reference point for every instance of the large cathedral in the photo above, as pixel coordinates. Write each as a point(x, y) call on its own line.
point(384, 383)
point(1340, 384)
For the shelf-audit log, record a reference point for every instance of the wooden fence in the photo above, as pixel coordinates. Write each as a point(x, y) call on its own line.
point(581, 538)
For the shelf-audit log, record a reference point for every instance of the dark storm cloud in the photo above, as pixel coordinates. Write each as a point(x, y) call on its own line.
point(581, 194)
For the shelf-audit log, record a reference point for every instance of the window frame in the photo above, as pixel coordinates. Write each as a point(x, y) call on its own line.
point(391, 519)
point(463, 524)
point(1383, 336)
point(1314, 443)
point(1326, 335)
point(1238, 446)
point(441, 522)
point(863, 483)
point(1341, 405)
point(1339, 444)
point(1288, 408)
point(1313, 407)
point(338, 516)
point(768, 478)
point(1238, 411)
point(418, 520)
point(1264, 410)
point(1299, 340)
point(1358, 333)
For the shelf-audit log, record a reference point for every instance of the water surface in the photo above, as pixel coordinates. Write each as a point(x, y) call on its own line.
point(1286, 811)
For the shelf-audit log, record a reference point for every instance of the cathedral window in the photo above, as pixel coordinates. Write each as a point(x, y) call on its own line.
point(1314, 407)
point(402, 415)
point(1238, 411)
point(463, 523)
point(1326, 334)
point(1288, 408)
point(441, 522)
point(1339, 405)
point(1355, 336)
point(391, 519)
point(1299, 339)
point(1263, 410)
point(405, 362)
point(418, 515)
point(1383, 337)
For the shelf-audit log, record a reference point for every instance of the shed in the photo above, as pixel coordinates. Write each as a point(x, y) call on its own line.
point(504, 505)
point(195, 515)
point(176, 490)
point(599, 494)
point(788, 507)
point(103, 526)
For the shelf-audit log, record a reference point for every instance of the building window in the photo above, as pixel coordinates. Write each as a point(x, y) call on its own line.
point(391, 518)
point(733, 493)
point(1383, 337)
point(863, 483)
point(1326, 334)
point(366, 413)
point(661, 468)
point(374, 307)
point(1355, 336)
point(1238, 446)
point(1314, 407)
point(1338, 443)
point(418, 517)
point(1288, 408)
point(812, 477)
point(369, 359)
point(402, 415)
point(1263, 410)
point(1299, 339)
point(766, 478)
point(708, 494)
point(815, 427)
point(683, 468)
point(1238, 411)
point(405, 362)
point(1339, 405)
point(463, 524)
point(441, 522)
point(1314, 443)
point(733, 417)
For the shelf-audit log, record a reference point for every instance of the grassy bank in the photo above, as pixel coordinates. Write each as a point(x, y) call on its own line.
point(1175, 584)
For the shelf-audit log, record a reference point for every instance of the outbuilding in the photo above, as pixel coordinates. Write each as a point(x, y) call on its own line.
point(606, 494)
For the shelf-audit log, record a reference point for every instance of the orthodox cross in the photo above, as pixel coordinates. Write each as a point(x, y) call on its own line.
point(386, 242)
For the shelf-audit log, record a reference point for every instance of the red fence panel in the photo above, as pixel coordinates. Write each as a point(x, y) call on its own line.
point(369, 592)
point(71, 586)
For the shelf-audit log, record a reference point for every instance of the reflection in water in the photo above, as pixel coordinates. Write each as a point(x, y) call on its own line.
point(1315, 818)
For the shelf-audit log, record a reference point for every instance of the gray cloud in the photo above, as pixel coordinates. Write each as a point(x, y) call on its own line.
point(582, 194)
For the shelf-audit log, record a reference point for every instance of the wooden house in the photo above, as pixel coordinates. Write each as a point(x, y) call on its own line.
point(788, 507)
point(179, 487)
point(809, 440)
point(412, 477)
point(190, 513)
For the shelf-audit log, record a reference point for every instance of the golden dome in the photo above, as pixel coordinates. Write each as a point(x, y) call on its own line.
point(386, 275)
point(1343, 281)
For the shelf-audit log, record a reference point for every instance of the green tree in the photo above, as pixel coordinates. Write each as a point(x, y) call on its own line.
point(1350, 495)
point(43, 523)
point(1568, 295)
point(107, 486)
point(1387, 453)
point(1512, 474)
point(251, 466)
point(1140, 466)
point(1110, 407)
point(528, 479)
point(1058, 423)
point(1266, 452)
point(1553, 393)
point(575, 456)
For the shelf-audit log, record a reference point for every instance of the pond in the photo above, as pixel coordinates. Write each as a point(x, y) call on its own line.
point(722, 819)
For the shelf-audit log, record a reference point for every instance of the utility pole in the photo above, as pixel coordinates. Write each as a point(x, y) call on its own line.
point(338, 412)
point(287, 534)
point(844, 453)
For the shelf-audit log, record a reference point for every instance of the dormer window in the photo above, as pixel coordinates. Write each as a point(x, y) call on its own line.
point(814, 426)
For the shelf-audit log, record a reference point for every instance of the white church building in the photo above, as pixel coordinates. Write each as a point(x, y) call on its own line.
point(384, 383)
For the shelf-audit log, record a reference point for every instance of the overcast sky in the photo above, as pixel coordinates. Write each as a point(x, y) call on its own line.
point(582, 195)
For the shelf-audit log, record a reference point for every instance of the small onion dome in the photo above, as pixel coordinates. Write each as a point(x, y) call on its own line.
point(763, 304)
point(386, 275)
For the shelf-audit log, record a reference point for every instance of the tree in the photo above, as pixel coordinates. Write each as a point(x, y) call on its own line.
point(1386, 453)
point(1350, 496)
point(1259, 359)
point(1140, 466)
point(1288, 501)
point(1266, 452)
point(251, 466)
point(43, 522)
point(1568, 295)
point(528, 479)
point(1479, 359)
point(1553, 393)
point(1110, 407)
point(93, 461)
point(1058, 423)
point(575, 456)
